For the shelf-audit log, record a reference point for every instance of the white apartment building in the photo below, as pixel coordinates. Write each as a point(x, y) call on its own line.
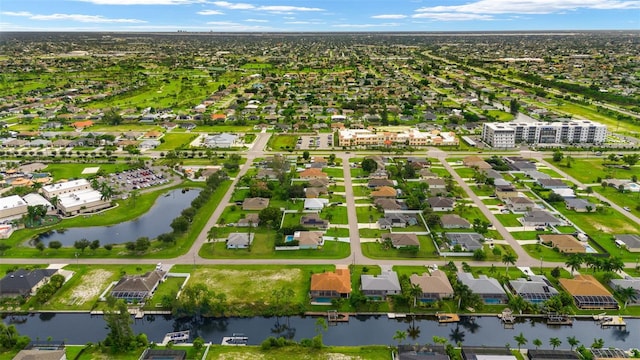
point(509, 134)
point(410, 137)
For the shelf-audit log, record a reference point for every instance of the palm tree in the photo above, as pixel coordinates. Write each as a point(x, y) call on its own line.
point(627, 295)
point(555, 342)
point(597, 343)
point(574, 263)
point(106, 191)
point(509, 259)
point(400, 336)
point(415, 291)
point(537, 343)
point(521, 340)
point(572, 341)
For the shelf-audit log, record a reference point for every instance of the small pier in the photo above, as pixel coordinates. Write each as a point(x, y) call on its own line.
point(507, 318)
point(334, 317)
point(445, 318)
point(396, 315)
point(176, 337)
point(613, 321)
point(559, 319)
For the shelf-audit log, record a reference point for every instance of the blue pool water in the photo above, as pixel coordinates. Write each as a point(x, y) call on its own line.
point(323, 300)
point(492, 301)
point(289, 238)
point(589, 249)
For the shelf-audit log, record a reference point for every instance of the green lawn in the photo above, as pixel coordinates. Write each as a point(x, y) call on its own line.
point(336, 172)
point(371, 233)
point(168, 287)
point(74, 170)
point(361, 191)
point(588, 170)
point(528, 235)
point(283, 142)
point(337, 232)
point(335, 214)
point(368, 214)
point(492, 201)
point(375, 250)
point(301, 353)
point(509, 219)
point(482, 190)
point(263, 247)
point(630, 200)
point(465, 172)
point(172, 141)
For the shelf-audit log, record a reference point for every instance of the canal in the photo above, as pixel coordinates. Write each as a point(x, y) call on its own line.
point(154, 222)
point(359, 330)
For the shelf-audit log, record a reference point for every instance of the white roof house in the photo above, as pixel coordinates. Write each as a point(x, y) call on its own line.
point(220, 140)
point(315, 204)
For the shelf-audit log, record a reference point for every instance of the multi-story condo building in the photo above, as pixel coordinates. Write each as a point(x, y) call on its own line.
point(509, 134)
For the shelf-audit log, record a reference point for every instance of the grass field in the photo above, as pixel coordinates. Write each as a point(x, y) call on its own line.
point(74, 170)
point(300, 353)
point(630, 200)
point(375, 250)
point(335, 172)
point(283, 142)
point(588, 170)
point(368, 214)
point(174, 141)
point(509, 219)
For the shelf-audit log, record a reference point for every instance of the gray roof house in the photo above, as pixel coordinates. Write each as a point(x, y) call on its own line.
point(402, 240)
point(137, 287)
point(239, 240)
point(391, 220)
point(389, 204)
point(256, 203)
point(539, 218)
point(470, 241)
point(313, 220)
point(380, 286)
point(579, 205)
point(488, 288)
point(628, 282)
point(552, 184)
point(251, 219)
point(630, 241)
point(24, 282)
point(536, 289)
point(453, 221)
point(426, 352)
point(223, 140)
point(434, 286)
point(440, 203)
point(519, 203)
point(436, 184)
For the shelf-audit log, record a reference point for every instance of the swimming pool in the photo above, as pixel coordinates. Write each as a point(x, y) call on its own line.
point(323, 300)
point(589, 249)
point(288, 238)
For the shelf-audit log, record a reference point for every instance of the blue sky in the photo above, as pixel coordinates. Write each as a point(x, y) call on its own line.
point(318, 15)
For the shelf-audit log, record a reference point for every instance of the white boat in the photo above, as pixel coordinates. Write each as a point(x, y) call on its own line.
point(235, 340)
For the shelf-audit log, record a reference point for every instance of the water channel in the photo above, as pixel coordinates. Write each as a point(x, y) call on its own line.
point(153, 223)
point(79, 328)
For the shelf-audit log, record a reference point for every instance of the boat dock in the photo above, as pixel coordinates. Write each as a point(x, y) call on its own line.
point(235, 340)
point(396, 315)
point(175, 337)
point(617, 321)
point(445, 318)
point(559, 319)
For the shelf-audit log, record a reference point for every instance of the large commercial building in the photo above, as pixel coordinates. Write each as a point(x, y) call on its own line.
point(65, 187)
point(509, 134)
point(12, 207)
point(395, 137)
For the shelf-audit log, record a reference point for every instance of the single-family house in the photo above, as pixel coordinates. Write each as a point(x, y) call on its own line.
point(389, 204)
point(149, 144)
point(630, 241)
point(135, 288)
point(436, 185)
point(318, 182)
point(470, 241)
point(384, 192)
point(309, 239)
point(313, 173)
point(239, 240)
point(223, 140)
point(628, 282)
point(328, 285)
point(588, 293)
point(268, 174)
point(164, 354)
point(454, 221)
point(379, 174)
point(250, 220)
point(315, 204)
point(488, 288)
point(539, 218)
point(552, 184)
point(256, 203)
point(440, 203)
point(394, 220)
point(535, 289)
point(579, 205)
point(378, 287)
point(427, 174)
point(565, 243)
point(434, 286)
point(376, 183)
point(82, 124)
point(402, 240)
point(522, 165)
point(316, 191)
point(50, 352)
point(487, 353)
point(314, 221)
point(565, 193)
point(426, 352)
point(537, 175)
point(23, 282)
point(550, 354)
point(519, 204)
point(474, 161)
point(504, 192)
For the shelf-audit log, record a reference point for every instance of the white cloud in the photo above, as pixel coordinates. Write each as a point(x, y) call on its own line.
point(364, 26)
point(232, 6)
point(71, 17)
point(256, 20)
point(452, 16)
point(284, 8)
point(389, 16)
point(530, 6)
point(144, 2)
point(300, 22)
point(210, 12)
point(16, 13)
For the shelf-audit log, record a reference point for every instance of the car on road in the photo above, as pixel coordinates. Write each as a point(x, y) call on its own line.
point(627, 208)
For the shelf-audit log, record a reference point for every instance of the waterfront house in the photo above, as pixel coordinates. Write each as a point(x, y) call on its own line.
point(549, 354)
point(628, 282)
point(163, 354)
point(378, 287)
point(136, 288)
point(434, 286)
point(23, 282)
point(588, 293)
point(402, 240)
point(488, 288)
point(535, 289)
point(487, 353)
point(328, 285)
point(239, 240)
point(256, 203)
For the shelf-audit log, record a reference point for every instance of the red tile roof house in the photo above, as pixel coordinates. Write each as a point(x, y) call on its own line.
point(329, 285)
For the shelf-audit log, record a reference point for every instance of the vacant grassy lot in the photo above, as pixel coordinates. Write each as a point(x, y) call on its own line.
point(509, 219)
point(375, 250)
point(587, 171)
point(335, 214)
point(283, 142)
point(465, 172)
point(74, 170)
point(335, 172)
point(300, 353)
point(368, 214)
point(630, 200)
point(483, 190)
point(174, 141)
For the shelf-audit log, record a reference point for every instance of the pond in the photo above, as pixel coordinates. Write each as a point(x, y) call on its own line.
point(153, 223)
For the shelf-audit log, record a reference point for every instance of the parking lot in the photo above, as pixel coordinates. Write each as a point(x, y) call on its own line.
point(128, 180)
point(320, 141)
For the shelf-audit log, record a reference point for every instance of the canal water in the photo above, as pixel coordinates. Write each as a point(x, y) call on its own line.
point(359, 330)
point(153, 223)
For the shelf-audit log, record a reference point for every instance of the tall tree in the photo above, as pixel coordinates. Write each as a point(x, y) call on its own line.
point(400, 336)
point(627, 295)
point(574, 262)
point(537, 343)
point(555, 342)
point(120, 337)
point(520, 340)
point(508, 259)
point(572, 341)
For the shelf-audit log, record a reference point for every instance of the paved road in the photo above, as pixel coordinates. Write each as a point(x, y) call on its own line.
point(354, 233)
